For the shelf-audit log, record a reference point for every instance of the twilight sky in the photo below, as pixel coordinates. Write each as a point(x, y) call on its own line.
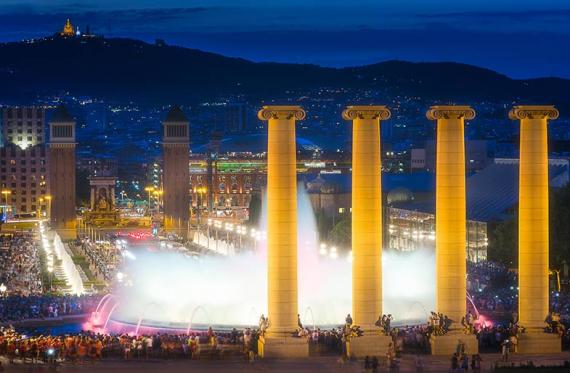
point(521, 38)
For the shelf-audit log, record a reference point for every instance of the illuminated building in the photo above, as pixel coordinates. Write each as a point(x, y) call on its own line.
point(23, 126)
point(68, 29)
point(23, 160)
point(176, 177)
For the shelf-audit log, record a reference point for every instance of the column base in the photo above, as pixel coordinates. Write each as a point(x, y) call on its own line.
point(280, 347)
point(368, 345)
point(539, 343)
point(447, 344)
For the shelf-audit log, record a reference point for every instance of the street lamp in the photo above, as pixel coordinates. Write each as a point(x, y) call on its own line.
point(3, 289)
point(6, 193)
point(149, 190)
point(200, 191)
point(48, 199)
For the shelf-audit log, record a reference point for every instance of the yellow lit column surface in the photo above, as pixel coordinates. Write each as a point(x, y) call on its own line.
point(533, 228)
point(450, 226)
point(367, 228)
point(282, 233)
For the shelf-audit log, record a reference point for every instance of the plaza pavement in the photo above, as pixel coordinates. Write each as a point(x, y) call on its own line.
point(408, 363)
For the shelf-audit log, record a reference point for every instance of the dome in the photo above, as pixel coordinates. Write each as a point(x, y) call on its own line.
point(399, 195)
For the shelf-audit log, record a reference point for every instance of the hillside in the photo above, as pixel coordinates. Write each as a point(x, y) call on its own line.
point(125, 70)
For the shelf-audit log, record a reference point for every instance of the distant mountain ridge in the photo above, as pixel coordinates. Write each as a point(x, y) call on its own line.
point(132, 70)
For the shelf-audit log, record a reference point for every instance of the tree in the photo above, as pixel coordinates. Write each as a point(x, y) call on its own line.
point(255, 209)
point(503, 242)
point(341, 234)
point(559, 224)
point(503, 236)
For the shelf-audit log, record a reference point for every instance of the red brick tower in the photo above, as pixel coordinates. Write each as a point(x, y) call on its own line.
point(61, 176)
point(176, 175)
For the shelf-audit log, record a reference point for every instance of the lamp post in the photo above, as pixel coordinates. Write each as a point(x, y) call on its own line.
point(200, 191)
point(3, 290)
point(39, 209)
point(48, 212)
point(149, 190)
point(6, 193)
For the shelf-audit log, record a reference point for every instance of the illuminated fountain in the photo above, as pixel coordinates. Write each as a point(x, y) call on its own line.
point(226, 291)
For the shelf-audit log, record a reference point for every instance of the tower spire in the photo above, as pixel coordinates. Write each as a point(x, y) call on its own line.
point(68, 29)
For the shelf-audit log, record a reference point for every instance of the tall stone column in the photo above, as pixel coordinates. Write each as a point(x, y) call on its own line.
point(282, 233)
point(367, 228)
point(451, 225)
point(533, 228)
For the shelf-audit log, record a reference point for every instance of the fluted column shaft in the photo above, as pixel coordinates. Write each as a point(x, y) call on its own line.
point(533, 214)
point(366, 213)
point(282, 218)
point(451, 219)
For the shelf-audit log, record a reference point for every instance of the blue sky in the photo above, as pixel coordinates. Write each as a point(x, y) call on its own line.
point(520, 38)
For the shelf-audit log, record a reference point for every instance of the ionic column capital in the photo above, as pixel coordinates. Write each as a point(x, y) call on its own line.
point(380, 112)
point(533, 112)
point(450, 112)
point(281, 112)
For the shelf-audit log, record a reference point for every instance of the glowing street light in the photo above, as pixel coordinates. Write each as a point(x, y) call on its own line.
point(149, 190)
point(6, 193)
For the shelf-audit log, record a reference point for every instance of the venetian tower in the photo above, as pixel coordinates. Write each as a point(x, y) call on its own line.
point(61, 165)
point(176, 174)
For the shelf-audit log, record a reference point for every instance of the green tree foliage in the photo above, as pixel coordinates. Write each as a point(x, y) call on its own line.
point(254, 209)
point(503, 242)
point(503, 236)
point(341, 234)
point(560, 226)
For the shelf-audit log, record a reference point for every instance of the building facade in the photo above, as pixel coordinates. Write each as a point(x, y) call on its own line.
point(23, 126)
point(23, 169)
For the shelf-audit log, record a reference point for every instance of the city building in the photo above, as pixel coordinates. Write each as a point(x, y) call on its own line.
point(23, 126)
point(492, 193)
point(23, 173)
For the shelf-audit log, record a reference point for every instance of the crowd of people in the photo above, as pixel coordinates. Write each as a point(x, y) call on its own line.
point(493, 287)
point(103, 258)
point(88, 346)
point(17, 308)
point(20, 267)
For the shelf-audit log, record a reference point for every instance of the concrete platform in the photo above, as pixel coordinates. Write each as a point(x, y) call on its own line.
point(369, 345)
point(539, 343)
point(271, 347)
point(447, 344)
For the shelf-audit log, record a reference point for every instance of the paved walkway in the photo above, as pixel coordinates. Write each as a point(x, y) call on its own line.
point(310, 365)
